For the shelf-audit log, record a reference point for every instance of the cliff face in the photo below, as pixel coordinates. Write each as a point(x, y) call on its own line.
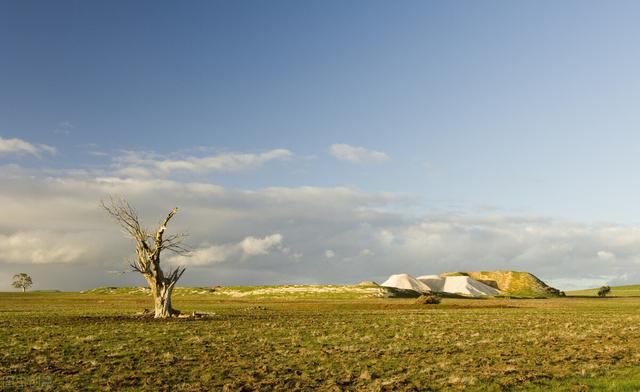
point(514, 283)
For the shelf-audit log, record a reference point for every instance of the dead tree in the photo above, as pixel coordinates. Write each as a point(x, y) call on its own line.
point(149, 245)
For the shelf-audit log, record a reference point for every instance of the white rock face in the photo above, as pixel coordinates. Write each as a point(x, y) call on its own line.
point(464, 285)
point(434, 282)
point(405, 281)
point(468, 286)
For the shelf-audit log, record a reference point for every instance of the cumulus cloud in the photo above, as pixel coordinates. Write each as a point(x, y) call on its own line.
point(208, 255)
point(345, 152)
point(260, 246)
point(329, 254)
point(134, 163)
point(41, 247)
point(17, 146)
point(248, 247)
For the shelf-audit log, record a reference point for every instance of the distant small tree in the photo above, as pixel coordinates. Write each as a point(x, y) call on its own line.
point(22, 281)
point(603, 291)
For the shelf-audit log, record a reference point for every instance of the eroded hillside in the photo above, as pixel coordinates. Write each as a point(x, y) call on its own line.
point(523, 284)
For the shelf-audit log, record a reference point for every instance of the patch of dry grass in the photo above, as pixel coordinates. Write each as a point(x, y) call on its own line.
point(65, 341)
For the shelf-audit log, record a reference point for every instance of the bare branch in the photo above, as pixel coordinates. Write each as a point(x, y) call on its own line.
point(174, 243)
point(135, 266)
point(174, 275)
point(127, 217)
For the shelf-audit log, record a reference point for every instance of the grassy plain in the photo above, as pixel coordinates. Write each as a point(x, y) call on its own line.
point(616, 291)
point(94, 341)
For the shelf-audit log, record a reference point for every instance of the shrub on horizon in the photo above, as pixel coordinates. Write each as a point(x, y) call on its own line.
point(603, 291)
point(428, 299)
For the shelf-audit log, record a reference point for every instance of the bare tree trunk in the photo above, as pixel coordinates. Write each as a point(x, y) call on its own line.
point(23, 289)
point(162, 301)
point(161, 292)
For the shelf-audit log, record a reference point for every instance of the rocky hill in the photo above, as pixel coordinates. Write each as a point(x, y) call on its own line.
point(520, 284)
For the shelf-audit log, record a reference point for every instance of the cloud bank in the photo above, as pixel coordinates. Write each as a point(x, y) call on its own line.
point(51, 221)
point(41, 247)
point(293, 234)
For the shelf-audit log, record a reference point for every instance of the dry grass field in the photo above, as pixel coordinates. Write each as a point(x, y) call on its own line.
point(95, 341)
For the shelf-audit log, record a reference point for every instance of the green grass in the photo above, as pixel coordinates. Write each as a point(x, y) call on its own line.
point(616, 291)
point(618, 380)
point(94, 341)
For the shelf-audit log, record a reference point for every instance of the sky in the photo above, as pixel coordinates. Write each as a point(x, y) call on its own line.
point(322, 142)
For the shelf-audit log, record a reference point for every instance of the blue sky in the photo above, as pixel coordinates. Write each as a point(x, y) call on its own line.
point(480, 109)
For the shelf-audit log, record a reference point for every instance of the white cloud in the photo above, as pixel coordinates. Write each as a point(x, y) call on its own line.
point(261, 246)
point(605, 255)
point(41, 247)
point(208, 255)
point(248, 247)
point(329, 254)
point(20, 147)
point(146, 163)
point(345, 152)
